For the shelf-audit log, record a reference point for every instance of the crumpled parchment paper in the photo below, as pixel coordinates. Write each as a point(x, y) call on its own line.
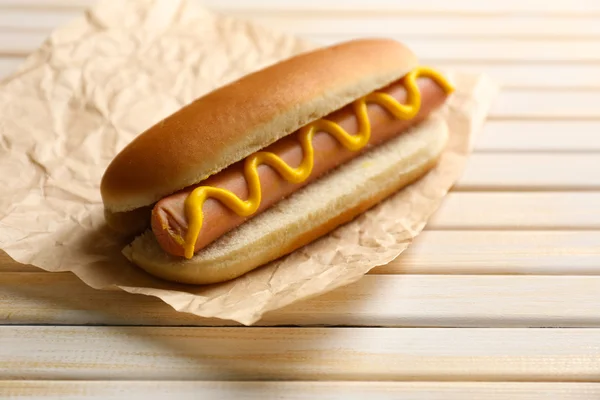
point(124, 65)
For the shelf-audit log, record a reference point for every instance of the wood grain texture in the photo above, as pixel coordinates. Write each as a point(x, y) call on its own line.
point(375, 300)
point(113, 390)
point(227, 354)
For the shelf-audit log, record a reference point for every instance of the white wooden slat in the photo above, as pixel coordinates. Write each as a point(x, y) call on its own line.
point(499, 252)
point(526, 103)
point(40, 20)
point(8, 65)
point(436, 6)
point(376, 300)
point(549, 136)
point(501, 25)
point(531, 171)
point(20, 43)
point(518, 210)
point(531, 75)
point(143, 390)
point(150, 353)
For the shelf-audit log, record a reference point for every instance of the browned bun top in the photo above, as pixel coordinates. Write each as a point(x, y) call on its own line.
point(236, 120)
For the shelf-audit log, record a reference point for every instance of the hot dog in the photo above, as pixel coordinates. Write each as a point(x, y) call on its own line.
point(169, 221)
point(260, 167)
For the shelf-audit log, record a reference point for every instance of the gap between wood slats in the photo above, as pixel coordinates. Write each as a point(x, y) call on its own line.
point(139, 390)
point(375, 300)
point(224, 354)
point(477, 253)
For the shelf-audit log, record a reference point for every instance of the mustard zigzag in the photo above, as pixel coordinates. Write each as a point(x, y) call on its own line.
point(195, 200)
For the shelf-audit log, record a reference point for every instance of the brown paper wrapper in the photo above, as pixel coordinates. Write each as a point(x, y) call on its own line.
point(119, 69)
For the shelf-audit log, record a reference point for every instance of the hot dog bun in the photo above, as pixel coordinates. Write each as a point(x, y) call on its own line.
point(241, 118)
point(310, 213)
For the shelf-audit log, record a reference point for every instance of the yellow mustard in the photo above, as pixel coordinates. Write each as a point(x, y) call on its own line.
point(195, 200)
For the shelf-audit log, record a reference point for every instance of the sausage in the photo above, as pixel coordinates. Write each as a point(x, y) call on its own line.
point(168, 221)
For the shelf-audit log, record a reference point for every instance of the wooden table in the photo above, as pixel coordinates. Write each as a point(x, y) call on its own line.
point(513, 251)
